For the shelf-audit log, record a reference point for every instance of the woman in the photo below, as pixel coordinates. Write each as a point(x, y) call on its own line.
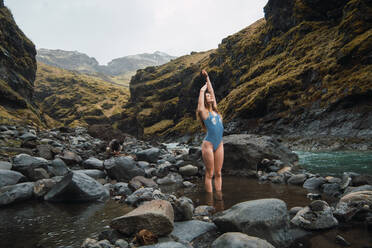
point(212, 147)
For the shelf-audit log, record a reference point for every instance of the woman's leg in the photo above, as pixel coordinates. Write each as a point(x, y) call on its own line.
point(218, 162)
point(208, 158)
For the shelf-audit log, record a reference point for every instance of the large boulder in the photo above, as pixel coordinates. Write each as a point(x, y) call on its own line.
point(77, 187)
point(70, 158)
point(318, 215)
point(355, 204)
point(246, 151)
point(314, 183)
point(16, 193)
point(140, 181)
point(93, 163)
point(150, 155)
point(26, 165)
point(58, 167)
point(265, 218)
point(239, 240)
point(122, 168)
point(156, 216)
point(9, 177)
point(187, 231)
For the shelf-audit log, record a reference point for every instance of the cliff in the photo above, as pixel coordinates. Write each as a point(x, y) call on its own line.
point(303, 70)
point(18, 68)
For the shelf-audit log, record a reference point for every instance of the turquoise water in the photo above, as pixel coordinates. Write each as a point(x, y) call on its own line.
point(335, 163)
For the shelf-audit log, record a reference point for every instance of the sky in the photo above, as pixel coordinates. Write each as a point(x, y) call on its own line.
point(115, 28)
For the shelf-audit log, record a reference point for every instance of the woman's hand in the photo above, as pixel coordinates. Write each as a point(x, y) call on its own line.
point(204, 73)
point(204, 88)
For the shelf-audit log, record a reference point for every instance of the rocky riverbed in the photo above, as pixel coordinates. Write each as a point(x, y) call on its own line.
point(69, 166)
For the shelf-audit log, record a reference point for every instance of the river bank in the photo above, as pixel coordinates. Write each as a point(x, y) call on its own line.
point(59, 160)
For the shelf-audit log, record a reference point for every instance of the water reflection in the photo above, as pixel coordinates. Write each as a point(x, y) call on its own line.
point(215, 200)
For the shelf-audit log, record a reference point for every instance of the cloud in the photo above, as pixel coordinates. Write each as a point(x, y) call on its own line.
point(116, 28)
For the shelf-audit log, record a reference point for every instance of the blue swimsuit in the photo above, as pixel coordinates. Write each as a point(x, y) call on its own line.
point(214, 130)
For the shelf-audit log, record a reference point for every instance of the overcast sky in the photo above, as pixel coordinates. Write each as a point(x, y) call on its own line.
point(116, 28)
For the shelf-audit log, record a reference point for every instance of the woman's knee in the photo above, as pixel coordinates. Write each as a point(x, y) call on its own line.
point(209, 174)
point(217, 174)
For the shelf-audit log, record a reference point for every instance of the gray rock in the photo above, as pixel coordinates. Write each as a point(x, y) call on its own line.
point(332, 189)
point(346, 180)
point(143, 164)
point(168, 244)
point(77, 187)
point(42, 187)
point(139, 196)
point(192, 229)
point(245, 151)
point(171, 178)
point(354, 204)
point(5, 165)
point(331, 179)
point(203, 210)
point(121, 243)
point(93, 163)
point(96, 174)
point(150, 155)
point(140, 181)
point(9, 177)
point(45, 151)
point(28, 137)
point(265, 218)
point(188, 184)
point(183, 209)
point(122, 189)
point(163, 169)
point(293, 211)
point(70, 158)
point(15, 193)
point(318, 215)
point(26, 164)
point(314, 183)
point(58, 167)
point(298, 179)
point(122, 168)
point(188, 170)
point(350, 189)
point(37, 174)
point(156, 216)
point(239, 240)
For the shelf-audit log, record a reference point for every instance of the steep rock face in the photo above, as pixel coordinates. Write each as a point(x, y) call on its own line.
point(305, 70)
point(17, 61)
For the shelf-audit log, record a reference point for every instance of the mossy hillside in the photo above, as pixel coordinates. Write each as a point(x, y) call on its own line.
point(267, 73)
point(77, 99)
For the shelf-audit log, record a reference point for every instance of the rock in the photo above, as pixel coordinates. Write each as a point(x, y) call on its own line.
point(168, 244)
point(188, 184)
point(122, 189)
point(58, 167)
point(356, 189)
point(340, 240)
point(42, 187)
point(37, 174)
point(96, 174)
point(140, 195)
point(192, 229)
point(188, 170)
point(318, 215)
point(150, 155)
point(26, 164)
point(5, 165)
point(203, 210)
point(298, 179)
point(45, 151)
point(239, 240)
point(122, 168)
point(355, 204)
point(28, 137)
point(140, 181)
point(70, 158)
point(77, 187)
point(183, 209)
point(245, 151)
point(264, 218)
point(15, 193)
point(346, 180)
point(313, 196)
point(9, 177)
point(314, 183)
point(121, 243)
point(163, 169)
point(156, 216)
point(293, 211)
point(143, 164)
point(171, 178)
point(333, 179)
point(93, 163)
point(332, 189)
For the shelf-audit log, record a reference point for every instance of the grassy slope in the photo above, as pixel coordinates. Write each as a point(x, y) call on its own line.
point(314, 65)
point(77, 99)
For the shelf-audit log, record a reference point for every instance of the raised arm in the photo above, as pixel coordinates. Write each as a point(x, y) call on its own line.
point(201, 107)
point(210, 88)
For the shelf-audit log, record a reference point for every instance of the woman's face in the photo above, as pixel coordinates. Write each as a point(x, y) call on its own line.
point(208, 98)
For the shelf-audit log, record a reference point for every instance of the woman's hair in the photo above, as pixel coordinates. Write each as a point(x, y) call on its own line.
point(114, 145)
point(198, 117)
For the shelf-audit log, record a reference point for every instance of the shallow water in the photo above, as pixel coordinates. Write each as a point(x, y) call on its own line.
point(335, 163)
